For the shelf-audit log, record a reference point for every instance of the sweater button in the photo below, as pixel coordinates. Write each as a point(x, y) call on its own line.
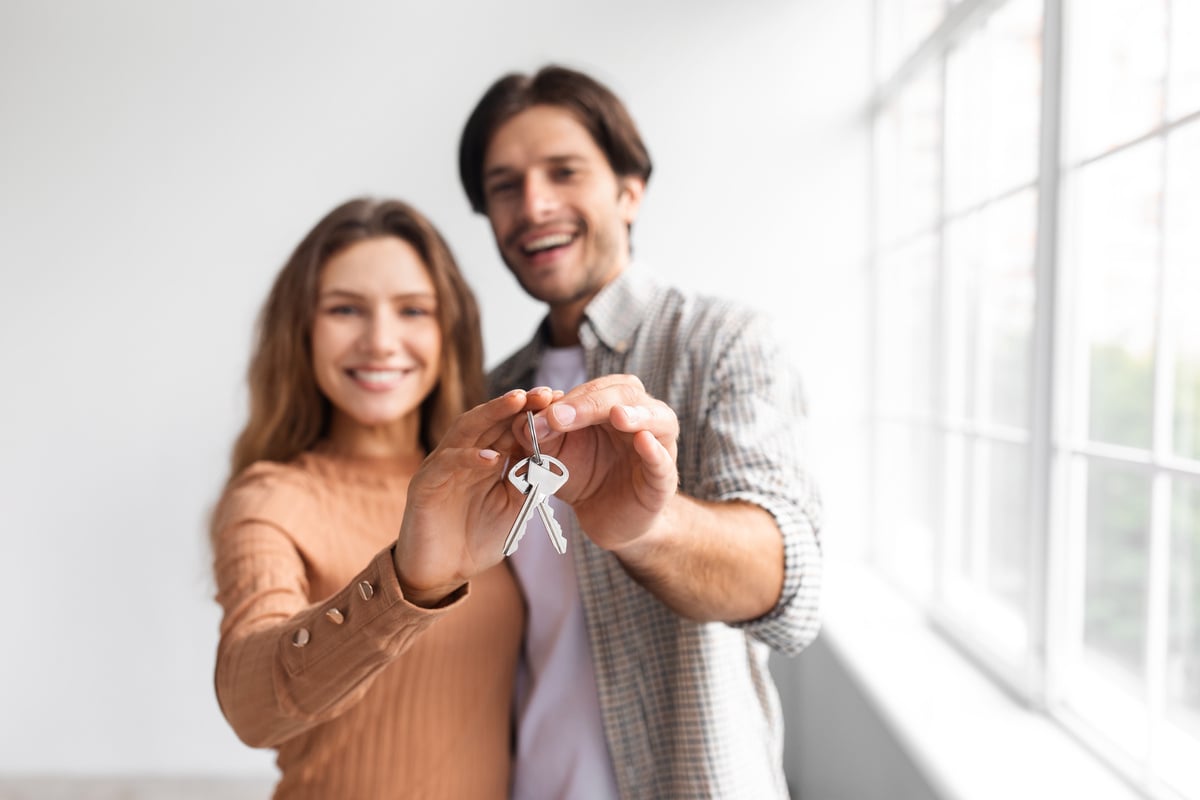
point(300, 638)
point(366, 590)
point(335, 616)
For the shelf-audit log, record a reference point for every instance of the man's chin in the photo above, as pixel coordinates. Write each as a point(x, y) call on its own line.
point(539, 283)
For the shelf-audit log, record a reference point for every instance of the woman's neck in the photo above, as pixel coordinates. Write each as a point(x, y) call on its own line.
point(399, 440)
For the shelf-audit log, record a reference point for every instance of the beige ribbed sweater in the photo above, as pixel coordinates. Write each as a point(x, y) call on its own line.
point(393, 701)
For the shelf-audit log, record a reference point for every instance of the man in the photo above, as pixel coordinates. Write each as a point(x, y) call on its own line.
point(645, 664)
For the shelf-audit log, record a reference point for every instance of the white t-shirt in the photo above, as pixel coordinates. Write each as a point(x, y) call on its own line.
point(561, 749)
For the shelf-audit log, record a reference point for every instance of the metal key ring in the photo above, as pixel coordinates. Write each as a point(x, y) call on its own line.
point(537, 454)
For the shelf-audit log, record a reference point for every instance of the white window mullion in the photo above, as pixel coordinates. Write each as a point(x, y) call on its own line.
point(875, 515)
point(1159, 578)
point(1157, 609)
point(938, 361)
point(1044, 560)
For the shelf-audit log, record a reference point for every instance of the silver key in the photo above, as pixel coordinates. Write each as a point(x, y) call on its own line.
point(518, 528)
point(553, 529)
point(547, 483)
point(538, 483)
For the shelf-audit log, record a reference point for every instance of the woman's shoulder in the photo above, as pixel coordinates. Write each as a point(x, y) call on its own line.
point(268, 491)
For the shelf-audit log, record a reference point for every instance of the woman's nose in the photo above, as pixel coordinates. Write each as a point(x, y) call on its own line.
point(381, 335)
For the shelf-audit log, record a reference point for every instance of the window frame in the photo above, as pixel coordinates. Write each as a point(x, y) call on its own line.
point(1056, 456)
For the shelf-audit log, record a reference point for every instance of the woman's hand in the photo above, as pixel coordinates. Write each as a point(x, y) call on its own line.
point(460, 504)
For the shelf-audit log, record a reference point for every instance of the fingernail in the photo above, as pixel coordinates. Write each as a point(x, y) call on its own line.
point(563, 413)
point(514, 392)
point(488, 455)
point(634, 413)
point(541, 427)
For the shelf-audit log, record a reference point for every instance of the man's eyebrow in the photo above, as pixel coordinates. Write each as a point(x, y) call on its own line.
point(497, 171)
point(504, 170)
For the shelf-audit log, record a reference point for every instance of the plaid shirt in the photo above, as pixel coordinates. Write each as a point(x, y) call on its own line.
point(689, 708)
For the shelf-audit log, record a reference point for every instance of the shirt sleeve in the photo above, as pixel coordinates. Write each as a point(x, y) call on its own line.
point(285, 664)
point(753, 449)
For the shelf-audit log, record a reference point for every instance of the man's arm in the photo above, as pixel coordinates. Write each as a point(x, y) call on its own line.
point(709, 561)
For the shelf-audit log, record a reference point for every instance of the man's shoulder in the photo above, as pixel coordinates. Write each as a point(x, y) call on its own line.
point(699, 314)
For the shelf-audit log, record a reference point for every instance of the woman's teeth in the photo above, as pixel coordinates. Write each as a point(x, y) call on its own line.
point(377, 375)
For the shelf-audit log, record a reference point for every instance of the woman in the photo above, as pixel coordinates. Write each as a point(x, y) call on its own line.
point(364, 507)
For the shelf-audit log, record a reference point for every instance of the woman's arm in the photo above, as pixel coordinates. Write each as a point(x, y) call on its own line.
point(285, 664)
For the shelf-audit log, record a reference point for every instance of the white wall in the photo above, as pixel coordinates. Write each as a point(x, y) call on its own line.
point(157, 163)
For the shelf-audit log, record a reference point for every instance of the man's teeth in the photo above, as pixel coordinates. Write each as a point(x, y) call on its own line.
point(377, 375)
point(546, 242)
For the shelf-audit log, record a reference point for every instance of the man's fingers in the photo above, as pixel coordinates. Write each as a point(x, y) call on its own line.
point(654, 416)
point(592, 403)
point(658, 464)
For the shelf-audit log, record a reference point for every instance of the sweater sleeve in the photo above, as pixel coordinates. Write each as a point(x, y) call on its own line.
point(285, 664)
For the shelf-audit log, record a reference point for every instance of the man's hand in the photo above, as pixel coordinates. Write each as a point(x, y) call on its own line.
point(460, 506)
point(704, 560)
point(620, 445)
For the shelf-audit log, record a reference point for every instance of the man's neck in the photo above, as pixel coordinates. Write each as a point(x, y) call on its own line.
point(565, 318)
point(564, 323)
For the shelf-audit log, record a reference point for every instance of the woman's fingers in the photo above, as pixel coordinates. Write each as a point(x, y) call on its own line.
point(486, 425)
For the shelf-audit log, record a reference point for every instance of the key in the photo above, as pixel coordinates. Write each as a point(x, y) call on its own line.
point(547, 483)
point(518, 528)
point(553, 529)
point(538, 483)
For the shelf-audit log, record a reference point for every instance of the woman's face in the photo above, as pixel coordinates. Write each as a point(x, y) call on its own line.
point(376, 342)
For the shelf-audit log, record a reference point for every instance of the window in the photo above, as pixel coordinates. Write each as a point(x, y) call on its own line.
point(1036, 351)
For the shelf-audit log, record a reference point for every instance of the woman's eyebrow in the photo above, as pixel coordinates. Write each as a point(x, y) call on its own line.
point(336, 292)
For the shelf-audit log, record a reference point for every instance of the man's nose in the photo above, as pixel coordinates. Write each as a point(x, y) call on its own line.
point(541, 199)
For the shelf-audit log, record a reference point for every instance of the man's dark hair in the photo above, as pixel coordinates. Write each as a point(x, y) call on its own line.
point(600, 112)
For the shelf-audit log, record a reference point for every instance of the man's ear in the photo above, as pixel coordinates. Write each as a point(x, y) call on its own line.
point(629, 197)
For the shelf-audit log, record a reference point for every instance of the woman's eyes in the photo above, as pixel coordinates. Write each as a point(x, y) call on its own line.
point(411, 311)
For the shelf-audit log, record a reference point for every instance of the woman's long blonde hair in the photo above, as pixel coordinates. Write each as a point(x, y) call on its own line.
point(288, 412)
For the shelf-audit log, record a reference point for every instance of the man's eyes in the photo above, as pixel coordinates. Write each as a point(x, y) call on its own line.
point(502, 187)
point(510, 186)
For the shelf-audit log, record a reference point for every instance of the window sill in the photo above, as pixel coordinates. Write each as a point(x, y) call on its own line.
point(970, 740)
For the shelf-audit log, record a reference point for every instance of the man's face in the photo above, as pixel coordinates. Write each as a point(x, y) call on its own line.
point(559, 213)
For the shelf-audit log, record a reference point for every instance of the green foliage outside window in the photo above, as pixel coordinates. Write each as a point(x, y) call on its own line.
point(1121, 396)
